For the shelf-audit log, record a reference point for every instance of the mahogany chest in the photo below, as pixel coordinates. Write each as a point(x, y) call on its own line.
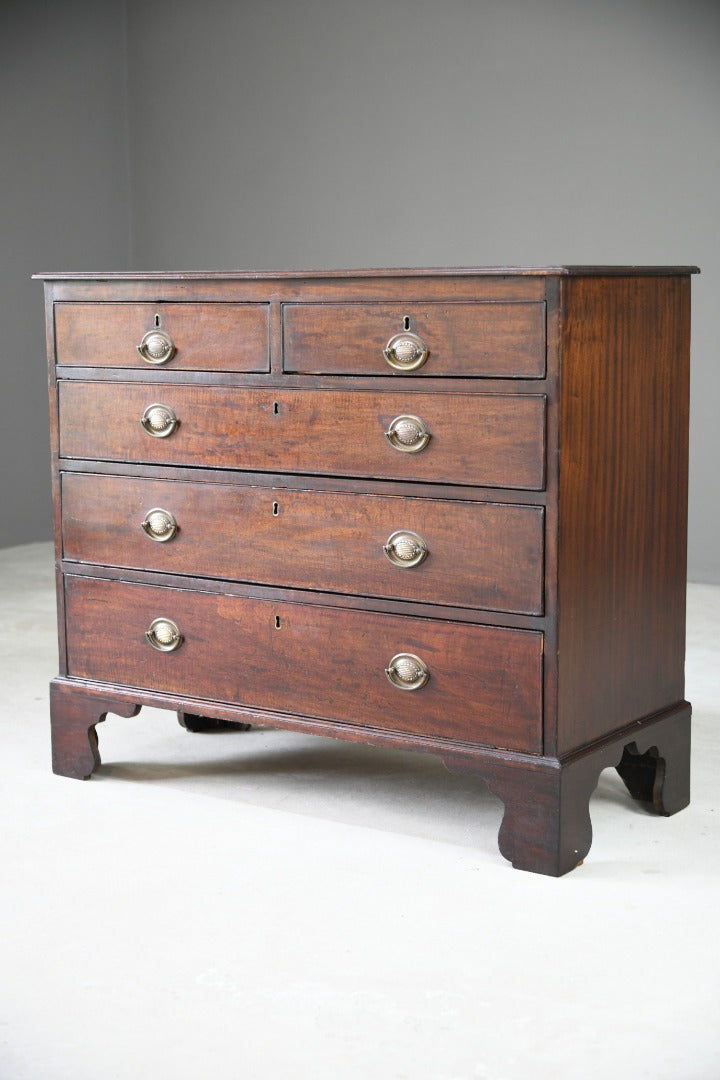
point(443, 510)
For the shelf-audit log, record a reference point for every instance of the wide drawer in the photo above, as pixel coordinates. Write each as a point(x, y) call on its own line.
point(204, 337)
point(482, 339)
point(484, 683)
point(482, 555)
point(484, 439)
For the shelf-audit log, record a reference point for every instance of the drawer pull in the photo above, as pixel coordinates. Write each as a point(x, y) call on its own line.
point(159, 525)
point(156, 347)
point(159, 421)
point(407, 671)
point(405, 352)
point(408, 433)
point(405, 549)
point(164, 635)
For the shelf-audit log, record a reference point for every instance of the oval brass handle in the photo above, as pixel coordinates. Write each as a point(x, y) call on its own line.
point(405, 549)
point(159, 421)
point(156, 347)
point(159, 525)
point(164, 635)
point(407, 671)
point(408, 433)
point(405, 352)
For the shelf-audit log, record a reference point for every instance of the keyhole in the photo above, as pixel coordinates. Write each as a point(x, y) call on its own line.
point(276, 407)
point(157, 320)
point(276, 509)
point(406, 322)
point(277, 622)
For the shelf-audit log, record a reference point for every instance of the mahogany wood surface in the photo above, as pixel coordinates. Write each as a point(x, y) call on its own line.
point(55, 472)
point(73, 716)
point(276, 289)
point(248, 478)
point(484, 682)
point(223, 586)
point(546, 827)
point(209, 337)
point(484, 555)
point(275, 378)
point(623, 502)
point(484, 439)
point(375, 273)
point(345, 729)
point(489, 339)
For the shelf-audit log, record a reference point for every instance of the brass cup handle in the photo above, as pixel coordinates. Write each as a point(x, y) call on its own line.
point(408, 434)
point(159, 421)
point(405, 352)
point(164, 635)
point(407, 671)
point(159, 525)
point(405, 549)
point(156, 347)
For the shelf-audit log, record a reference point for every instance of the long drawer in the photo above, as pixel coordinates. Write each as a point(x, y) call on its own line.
point(480, 339)
point(191, 336)
point(483, 683)
point(483, 555)
point(485, 439)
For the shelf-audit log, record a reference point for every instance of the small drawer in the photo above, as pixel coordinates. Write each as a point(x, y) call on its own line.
point(494, 340)
point(494, 440)
point(476, 684)
point(478, 555)
point(188, 337)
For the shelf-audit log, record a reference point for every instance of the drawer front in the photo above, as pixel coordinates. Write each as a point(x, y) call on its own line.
point(481, 439)
point(484, 685)
point(482, 339)
point(205, 337)
point(482, 555)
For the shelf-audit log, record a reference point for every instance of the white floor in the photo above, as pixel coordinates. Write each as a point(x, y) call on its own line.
point(271, 905)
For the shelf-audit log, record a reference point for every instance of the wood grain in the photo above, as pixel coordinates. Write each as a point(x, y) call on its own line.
point(546, 827)
point(492, 340)
point(479, 439)
point(381, 273)
point(73, 718)
point(484, 682)
point(298, 287)
point(482, 555)
point(207, 337)
point(623, 503)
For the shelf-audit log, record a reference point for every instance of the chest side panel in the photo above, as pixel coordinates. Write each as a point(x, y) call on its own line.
point(622, 502)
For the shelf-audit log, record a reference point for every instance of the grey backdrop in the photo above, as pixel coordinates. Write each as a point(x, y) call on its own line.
point(171, 134)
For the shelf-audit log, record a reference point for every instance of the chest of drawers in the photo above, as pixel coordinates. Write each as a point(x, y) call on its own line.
point(442, 510)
